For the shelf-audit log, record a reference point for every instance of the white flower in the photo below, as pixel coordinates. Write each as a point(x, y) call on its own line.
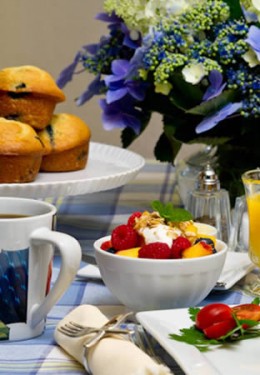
point(134, 34)
point(251, 58)
point(140, 14)
point(193, 73)
point(180, 6)
point(155, 7)
point(256, 4)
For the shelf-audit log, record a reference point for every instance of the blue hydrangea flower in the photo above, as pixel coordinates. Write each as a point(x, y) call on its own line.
point(120, 115)
point(117, 22)
point(216, 85)
point(67, 74)
point(211, 121)
point(182, 66)
point(120, 83)
point(96, 87)
point(253, 40)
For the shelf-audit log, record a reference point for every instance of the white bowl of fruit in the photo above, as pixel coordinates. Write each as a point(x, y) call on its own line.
point(160, 259)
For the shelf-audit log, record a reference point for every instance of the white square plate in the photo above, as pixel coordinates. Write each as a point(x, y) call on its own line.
point(241, 358)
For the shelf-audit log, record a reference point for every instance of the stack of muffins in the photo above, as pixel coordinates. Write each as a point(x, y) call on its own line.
point(33, 138)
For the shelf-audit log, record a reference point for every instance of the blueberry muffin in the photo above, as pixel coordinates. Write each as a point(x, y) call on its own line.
point(28, 94)
point(20, 152)
point(66, 143)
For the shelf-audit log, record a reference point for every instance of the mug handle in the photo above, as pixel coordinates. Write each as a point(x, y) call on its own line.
point(70, 252)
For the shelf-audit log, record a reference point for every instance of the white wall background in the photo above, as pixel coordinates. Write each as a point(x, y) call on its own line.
point(48, 33)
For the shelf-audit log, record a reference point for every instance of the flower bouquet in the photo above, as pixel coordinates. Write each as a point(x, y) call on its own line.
point(196, 62)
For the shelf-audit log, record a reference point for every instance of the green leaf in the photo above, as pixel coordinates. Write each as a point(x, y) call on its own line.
point(128, 135)
point(208, 107)
point(235, 8)
point(167, 148)
point(4, 331)
point(181, 128)
point(171, 213)
point(184, 94)
point(256, 301)
point(193, 311)
point(160, 103)
point(194, 337)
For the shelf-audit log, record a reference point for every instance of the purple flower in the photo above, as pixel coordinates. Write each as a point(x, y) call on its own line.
point(105, 17)
point(123, 82)
point(67, 73)
point(117, 23)
point(211, 121)
point(132, 39)
point(119, 115)
point(253, 40)
point(216, 86)
point(96, 87)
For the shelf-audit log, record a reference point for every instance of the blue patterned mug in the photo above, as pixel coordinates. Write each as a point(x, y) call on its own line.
point(27, 242)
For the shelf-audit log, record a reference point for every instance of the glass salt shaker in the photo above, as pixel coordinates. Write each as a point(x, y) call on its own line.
point(210, 204)
point(187, 169)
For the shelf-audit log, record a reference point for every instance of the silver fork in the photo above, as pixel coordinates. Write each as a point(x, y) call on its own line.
point(73, 329)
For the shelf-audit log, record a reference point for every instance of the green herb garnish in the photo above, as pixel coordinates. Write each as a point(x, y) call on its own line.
point(256, 301)
point(194, 336)
point(171, 213)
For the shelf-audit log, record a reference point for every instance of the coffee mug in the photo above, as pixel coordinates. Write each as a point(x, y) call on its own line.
point(27, 242)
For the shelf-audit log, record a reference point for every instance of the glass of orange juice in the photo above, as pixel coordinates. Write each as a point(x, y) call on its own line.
point(251, 181)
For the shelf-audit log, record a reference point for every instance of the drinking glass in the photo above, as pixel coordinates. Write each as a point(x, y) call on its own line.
point(238, 240)
point(251, 181)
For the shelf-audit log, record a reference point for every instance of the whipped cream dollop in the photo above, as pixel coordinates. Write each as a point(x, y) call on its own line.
point(153, 228)
point(160, 233)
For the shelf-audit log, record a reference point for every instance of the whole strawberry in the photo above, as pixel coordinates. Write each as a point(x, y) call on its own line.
point(155, 250)
point(178, 245)
point(124, 237)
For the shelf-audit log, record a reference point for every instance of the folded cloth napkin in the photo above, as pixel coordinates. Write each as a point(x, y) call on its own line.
point(113, 355)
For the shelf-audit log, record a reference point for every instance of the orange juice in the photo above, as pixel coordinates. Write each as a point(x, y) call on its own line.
point(253, 204)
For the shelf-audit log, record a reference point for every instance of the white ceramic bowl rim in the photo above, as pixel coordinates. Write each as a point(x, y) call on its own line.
point(98, 243)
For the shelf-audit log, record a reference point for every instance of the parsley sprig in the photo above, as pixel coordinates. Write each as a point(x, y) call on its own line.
point(171, 213)
point(194, 336)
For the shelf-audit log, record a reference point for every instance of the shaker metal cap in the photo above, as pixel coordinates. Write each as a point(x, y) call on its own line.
point(208, 180)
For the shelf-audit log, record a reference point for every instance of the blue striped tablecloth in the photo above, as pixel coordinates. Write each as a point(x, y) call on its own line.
point(88, 217)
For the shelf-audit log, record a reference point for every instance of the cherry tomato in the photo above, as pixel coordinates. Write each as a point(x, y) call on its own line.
point(211, 314)
point(247, 311)
point(219, 329)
